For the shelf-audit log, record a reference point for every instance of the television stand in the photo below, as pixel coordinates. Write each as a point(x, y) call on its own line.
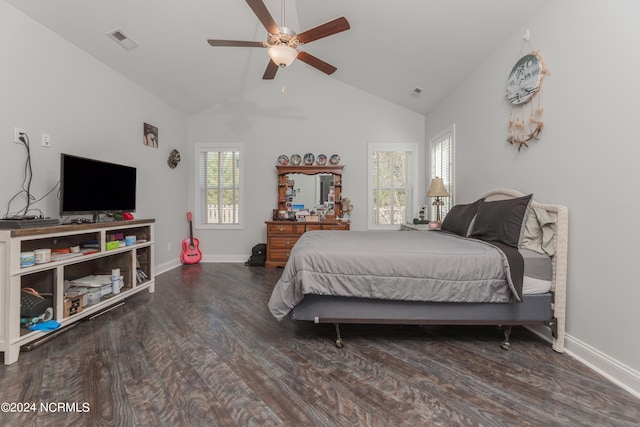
point(136, 264)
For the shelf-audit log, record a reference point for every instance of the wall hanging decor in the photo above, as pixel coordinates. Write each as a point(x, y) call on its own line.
point(296, 159)
point(150, 135)
point(174, 159)
point(523, 96)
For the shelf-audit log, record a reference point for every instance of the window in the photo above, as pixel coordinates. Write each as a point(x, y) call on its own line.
point(442, 166)
point(391, 184)
point(219, 186)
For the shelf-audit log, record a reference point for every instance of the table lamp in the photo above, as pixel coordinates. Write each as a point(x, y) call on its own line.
point(437, 190)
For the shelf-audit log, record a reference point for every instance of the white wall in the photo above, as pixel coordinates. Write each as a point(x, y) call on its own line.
point(587, 159)
point(315, 114)
point(49, 86)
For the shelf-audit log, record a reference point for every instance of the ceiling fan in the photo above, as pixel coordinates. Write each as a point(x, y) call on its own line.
point(282, 43)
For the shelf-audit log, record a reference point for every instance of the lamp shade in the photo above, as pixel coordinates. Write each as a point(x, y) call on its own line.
point(282, 54)
point(437, 189)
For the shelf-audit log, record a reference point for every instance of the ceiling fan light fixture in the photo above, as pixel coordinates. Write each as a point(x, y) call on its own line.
point(282, 54)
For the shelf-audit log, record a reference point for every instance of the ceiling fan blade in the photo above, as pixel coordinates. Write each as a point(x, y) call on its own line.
point(316, 63)
point(332, 27)
point(264, 16)
point(236, 43)
point(270, 72)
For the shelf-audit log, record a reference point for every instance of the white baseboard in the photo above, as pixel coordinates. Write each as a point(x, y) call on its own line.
point(619, 373)
point(608, 367)
point(166, 266)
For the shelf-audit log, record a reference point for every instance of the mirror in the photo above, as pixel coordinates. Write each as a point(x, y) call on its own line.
point(310, 190)
point(309, 186)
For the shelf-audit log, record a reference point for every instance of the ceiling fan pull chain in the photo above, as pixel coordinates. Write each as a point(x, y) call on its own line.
point(283, 89)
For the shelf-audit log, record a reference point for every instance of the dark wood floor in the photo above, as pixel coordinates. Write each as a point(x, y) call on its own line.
point(204, 351)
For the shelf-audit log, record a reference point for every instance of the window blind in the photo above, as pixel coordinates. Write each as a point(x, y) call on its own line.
point(392, 179)
point(442, 166)
point(219, 186)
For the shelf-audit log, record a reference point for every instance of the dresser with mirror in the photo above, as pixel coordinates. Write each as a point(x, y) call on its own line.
point(304, 188)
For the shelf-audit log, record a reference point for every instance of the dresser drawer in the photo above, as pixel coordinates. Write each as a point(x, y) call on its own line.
point(334, 226)
point(284, 228)
point(281, 255)
point(342, 227)
point(282, 242)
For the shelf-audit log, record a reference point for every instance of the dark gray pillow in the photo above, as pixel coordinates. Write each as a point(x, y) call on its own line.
point(502, 220)
point(459, 218)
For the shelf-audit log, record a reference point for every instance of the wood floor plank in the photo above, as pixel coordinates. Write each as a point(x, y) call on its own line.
point(203, 350)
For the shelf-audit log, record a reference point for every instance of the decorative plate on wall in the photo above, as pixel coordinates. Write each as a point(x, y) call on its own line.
point(334, 159)
point(283, 160)
point(174, 159)
point(296, 159)
point(321, 159)
point(309, 158)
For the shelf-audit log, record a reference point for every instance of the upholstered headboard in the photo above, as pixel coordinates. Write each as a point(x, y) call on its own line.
point(556, 244)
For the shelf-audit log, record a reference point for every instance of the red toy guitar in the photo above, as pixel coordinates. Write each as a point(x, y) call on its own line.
point(190, 252)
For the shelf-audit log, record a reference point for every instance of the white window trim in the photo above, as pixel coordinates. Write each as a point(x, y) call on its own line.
point(197, 217)
point(450, 131)
point(389, 146)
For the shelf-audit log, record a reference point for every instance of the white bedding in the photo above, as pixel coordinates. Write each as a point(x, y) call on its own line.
point(532, 286)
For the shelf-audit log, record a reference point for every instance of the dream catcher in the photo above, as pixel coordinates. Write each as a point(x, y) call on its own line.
point(523, 95)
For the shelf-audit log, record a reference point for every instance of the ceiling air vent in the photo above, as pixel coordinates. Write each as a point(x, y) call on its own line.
point(122, 39)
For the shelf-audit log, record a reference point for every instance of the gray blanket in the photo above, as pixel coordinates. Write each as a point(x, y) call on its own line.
point(402, 265)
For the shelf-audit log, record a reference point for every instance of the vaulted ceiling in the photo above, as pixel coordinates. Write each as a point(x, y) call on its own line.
point(392, 48)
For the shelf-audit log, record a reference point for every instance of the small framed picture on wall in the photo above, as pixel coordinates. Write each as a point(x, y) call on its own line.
point(150, 137)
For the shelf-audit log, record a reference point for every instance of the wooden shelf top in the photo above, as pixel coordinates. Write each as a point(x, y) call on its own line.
point(311, 169)
point(325, 222)
point(62, 228)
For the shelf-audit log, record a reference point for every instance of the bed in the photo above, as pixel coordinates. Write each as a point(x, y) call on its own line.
point(501, 260)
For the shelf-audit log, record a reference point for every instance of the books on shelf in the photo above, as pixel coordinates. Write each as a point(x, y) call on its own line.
point(94, 244)
point(141, 276)
point(94, 280)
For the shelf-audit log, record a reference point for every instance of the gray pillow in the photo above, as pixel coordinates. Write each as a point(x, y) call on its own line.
point(502, 220)
point(460, 217)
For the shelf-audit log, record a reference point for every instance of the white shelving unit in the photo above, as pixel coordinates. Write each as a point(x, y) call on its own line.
point(48, 278)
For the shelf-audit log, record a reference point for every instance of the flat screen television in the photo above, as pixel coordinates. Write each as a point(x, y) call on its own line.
point(89, 186)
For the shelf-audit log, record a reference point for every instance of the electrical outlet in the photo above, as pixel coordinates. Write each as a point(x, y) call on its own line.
point(16, 134)
point(46, 140)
